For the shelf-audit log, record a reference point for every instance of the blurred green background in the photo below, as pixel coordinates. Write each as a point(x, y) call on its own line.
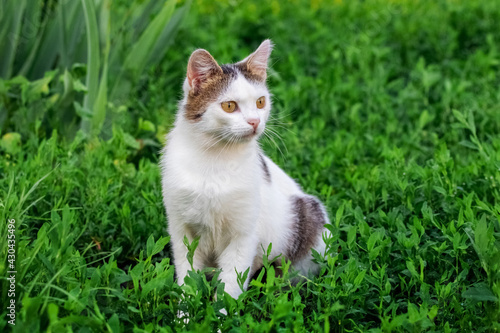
point(389, 111)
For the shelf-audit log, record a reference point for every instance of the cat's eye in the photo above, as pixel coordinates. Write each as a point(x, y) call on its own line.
point(228, 106)
point(261, 102)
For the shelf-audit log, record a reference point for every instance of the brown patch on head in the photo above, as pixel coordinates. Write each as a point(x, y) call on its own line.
point(208, 92)
point(207, 80)
point(308, 223)
point(248, 74)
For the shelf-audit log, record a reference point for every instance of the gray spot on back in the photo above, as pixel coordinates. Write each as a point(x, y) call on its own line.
point(265, 169)
point(308, 223)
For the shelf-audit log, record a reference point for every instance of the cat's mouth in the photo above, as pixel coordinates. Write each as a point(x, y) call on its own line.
point(248, 135)
point(242, 136)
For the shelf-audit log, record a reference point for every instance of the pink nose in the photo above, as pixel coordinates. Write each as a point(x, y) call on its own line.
point(254, 122)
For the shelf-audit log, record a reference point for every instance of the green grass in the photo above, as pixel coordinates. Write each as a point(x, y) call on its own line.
point(389, 111)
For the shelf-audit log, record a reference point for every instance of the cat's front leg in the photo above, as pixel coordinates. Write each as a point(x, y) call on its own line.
point(238, 256)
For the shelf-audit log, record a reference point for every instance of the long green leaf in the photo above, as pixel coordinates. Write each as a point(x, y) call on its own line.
point(10, 37)
point(128, 27)
point(32, 49)
point(62, 36)
point(137, 59)
point(92, 79)
point(50, 49)
point(29, 35)
point(101, 101)
point(167, 35)
point(75, 23)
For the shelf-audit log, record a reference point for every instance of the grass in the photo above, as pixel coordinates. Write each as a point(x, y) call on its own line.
point(388, 111)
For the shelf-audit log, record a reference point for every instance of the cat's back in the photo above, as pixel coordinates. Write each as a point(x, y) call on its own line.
point(277, 178)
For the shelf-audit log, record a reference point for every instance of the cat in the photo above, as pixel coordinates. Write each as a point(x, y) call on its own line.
point(218, 184)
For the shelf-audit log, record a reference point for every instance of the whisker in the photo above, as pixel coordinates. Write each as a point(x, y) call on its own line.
point(219, 138)
point(279, 149)
point(228, 143)
point(279, 137)
point(282, 127)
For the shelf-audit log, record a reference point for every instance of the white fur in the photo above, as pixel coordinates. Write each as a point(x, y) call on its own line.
point(217, 189)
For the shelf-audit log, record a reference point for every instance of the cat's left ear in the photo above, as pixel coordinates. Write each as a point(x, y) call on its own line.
point(201, 67)
point(256, 63)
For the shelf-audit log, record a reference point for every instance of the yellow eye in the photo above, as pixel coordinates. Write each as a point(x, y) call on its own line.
point(228, 106)
point(261, 102)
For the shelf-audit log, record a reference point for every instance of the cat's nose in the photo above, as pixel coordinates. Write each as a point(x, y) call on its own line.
point(254, 122)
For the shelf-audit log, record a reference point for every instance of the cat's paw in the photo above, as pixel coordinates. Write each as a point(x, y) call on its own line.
point(183, 316)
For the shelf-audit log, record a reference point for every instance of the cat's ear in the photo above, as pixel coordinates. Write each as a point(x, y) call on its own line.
point(256, 63)
point(201, 67)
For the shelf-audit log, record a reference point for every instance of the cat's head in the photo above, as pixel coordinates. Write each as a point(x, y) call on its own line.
point(227, 102)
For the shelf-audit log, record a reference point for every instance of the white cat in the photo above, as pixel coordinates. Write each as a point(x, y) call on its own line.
point(218, 184)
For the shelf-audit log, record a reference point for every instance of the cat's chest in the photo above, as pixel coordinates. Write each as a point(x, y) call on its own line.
point(211, 194)
point(215, 193)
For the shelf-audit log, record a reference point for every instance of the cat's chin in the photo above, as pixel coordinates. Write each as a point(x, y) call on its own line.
point(248, 137)
point(243, 138)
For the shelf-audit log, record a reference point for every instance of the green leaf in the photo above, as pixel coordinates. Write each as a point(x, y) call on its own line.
point(411, 268)
point(149, 246)
point(440, 190)
point(11, 143)
point(52, 311)
point(461, 118)
point(480, 293)
point(102, 94)
point(338, 215)
point(136, 59)
point(146, 125)
point(160, 245)
point(433, 312)
point(374, 237)
point(191, 248)
point(359, 278)
point(136, 271)
point(10, 33)
point(351, 235)
point(166, 37)
point(93, 63)
point(481, 236)
point(131, 141)
point(34, 90)
point(133, 309)
point(114, 324)
point(138, 56)
point(424, 119)
point(468, 144)
point(82, 111)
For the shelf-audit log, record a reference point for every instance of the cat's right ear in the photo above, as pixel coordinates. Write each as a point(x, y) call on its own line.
point(256, 63)
point(201, 67)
